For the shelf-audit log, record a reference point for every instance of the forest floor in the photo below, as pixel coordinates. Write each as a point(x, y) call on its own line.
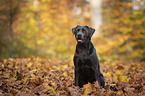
point(36, 76)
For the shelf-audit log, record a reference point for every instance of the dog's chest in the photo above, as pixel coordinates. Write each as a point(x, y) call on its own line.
point(85, 68)
point(85, 63)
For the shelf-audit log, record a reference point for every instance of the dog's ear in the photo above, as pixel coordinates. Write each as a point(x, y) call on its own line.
point(91, 30)
point(74, 29)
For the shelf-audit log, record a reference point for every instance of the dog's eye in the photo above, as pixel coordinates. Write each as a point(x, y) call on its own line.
point(78, 30)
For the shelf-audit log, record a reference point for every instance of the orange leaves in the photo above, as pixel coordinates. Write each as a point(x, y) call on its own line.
point(124, 78)
point(88, 89)
point(37, 76)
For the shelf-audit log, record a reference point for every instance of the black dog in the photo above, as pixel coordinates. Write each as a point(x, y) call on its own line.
point(87, 68)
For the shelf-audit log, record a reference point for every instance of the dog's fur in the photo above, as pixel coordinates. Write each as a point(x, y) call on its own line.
point(87, 68)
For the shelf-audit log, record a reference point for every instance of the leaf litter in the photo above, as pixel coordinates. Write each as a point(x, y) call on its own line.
point(37, 76)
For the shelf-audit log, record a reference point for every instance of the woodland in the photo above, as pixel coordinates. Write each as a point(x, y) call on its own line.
point(37, 47)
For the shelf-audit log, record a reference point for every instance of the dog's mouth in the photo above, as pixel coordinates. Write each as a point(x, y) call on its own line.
point(80, 41)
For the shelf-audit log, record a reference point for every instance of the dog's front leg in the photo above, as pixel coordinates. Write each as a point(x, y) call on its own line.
point(97, 73)
point(97, 76)
point(76, 77)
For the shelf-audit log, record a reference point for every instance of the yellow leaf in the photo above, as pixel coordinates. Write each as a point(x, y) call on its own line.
point(112, 84)
point(55, 67)
point(107, 74)
point(118, 72)
point(29, 64)
point(65, 74)
point(34, 70)
point(64, 66)
point(88, 89)
point(25, 80)
point(124, 79)
point(119, 92)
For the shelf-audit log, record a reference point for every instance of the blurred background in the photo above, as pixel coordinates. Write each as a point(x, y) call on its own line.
point(42, 28)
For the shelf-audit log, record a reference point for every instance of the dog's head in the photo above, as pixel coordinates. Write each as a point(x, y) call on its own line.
point(83, 33)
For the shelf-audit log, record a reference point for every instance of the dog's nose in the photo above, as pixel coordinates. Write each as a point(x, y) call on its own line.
point(79, 36)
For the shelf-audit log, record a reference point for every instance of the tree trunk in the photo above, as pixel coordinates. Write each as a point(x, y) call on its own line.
point(36, 7)
point(11, 30)
point(11, 42)
point(96, 15)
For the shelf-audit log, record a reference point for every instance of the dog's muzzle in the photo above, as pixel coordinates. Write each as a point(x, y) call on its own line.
point(79, 38)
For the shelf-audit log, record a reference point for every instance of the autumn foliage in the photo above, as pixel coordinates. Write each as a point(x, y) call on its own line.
point(36, 76)
point(42, 28)
point(124, 29)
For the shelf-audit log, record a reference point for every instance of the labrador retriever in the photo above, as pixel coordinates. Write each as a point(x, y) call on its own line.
point(87, 68)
